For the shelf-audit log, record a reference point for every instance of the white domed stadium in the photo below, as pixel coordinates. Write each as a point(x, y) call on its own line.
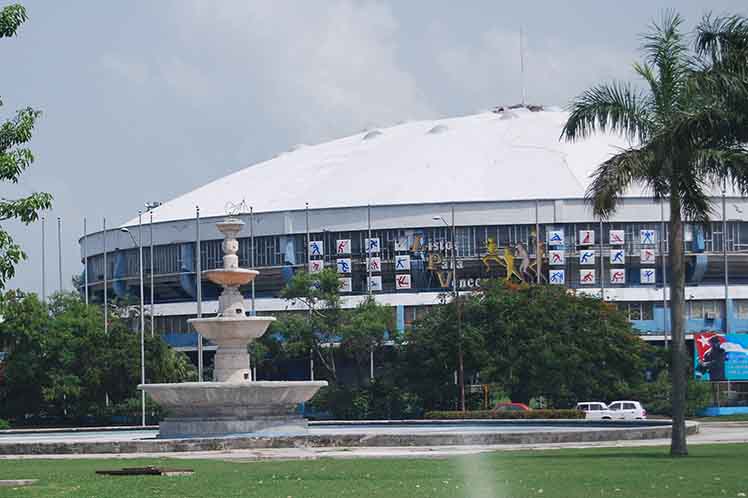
point(499, 177)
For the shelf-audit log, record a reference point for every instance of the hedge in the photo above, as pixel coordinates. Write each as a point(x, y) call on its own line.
point(503, 414)
point(4, 424)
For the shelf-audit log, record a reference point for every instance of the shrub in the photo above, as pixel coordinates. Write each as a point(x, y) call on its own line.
point(4, 424)
point(655, 396)
point(508, 415)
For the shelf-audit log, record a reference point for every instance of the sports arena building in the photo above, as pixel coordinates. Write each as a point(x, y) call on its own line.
point(504, 175)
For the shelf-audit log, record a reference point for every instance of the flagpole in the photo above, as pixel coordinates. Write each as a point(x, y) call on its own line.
point(85, 259)
point(153, 309)
point(367, 253)
point(59, 250)
point(199, 292)
point(44, 260)
point(106, 310)
point(252, 254)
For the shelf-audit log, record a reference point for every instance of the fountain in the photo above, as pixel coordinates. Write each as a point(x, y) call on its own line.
point(233, 403)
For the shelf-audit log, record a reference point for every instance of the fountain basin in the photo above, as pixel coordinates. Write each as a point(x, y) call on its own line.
point(224, 408)
point(234, 277)
point(232, 329)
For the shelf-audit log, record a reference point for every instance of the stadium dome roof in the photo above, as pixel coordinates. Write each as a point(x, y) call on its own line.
point(513, 154)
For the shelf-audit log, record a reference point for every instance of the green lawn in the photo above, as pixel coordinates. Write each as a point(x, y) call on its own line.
point(710, 471)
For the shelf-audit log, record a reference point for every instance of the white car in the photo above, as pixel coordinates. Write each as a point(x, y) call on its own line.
point(627, 410)
point(595, 410)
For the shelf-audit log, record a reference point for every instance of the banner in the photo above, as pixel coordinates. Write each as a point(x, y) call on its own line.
point(375, 283)
point(556, 258)
point(586, 238)
point(402, 281)
point(720, 357)
point(344, 265)
point(345, 284)
point(316, 248)
point(647, 276)
point(343, 246)
point(316, 266)
point(402, 262)
point(372, 244)
point(617, 237)
point(374, 264)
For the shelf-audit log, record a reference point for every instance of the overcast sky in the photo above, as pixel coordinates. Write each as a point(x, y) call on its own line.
point(145, 100)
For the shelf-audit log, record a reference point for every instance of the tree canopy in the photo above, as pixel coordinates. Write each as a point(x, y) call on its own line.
point(14, 160)
point(61, 364)
point(688, 140)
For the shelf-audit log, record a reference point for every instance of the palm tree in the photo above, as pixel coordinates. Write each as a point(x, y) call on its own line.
point(679, 152)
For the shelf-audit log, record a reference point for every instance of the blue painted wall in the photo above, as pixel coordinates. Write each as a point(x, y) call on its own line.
point(656, 325)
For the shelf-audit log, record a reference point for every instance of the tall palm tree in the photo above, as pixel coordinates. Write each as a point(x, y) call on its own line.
point(676, 152)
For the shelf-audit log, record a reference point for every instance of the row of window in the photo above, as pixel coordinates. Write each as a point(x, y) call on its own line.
point(279, 250)
point(634, 311)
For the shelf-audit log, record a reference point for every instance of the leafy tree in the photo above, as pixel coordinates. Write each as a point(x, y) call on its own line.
point(533, 341)
point(327, 329)
point(14, 160)
point(687, 140)
point(62, 364)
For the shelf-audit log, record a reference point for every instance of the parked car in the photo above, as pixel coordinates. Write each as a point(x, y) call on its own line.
point(627, 410)
point(511, 407)
point(595, 410)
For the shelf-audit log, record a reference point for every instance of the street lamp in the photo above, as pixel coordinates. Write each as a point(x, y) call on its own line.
point(456, 294)
point(139, 245)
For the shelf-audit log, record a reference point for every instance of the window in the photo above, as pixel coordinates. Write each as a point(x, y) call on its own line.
point(700, 310)
point(741, 309)
point(615, 407)
point(637, 310)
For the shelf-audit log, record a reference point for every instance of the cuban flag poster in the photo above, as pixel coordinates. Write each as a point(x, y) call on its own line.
point(402, 281)
point(316, 248)
point(343, 246)
point(344, 265)
point(719, 357)
point(617, 256)
point(617, 237)
point(557, 277)
point(586, 237)
point(647, 276)
point(617, 276)
point(402, 262)
point(374, 264)
point(556, 258)
point(316, 266)
point(372, 245)
point(555, 237)
point(587, 277)
point(345, 284)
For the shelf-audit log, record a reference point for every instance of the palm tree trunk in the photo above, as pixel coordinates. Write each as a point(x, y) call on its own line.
point(678, 361)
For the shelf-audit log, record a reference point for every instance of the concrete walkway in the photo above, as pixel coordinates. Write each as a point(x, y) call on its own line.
point(710, 433)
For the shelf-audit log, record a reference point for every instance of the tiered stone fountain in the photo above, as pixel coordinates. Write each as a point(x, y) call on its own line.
point(233, 403)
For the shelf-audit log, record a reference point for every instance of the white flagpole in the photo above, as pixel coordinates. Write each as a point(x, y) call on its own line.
point(85, 259)
point(199, 289)
point(44, 260)
point(106, 304)
point(150, 224)
point(142, 316)
point(59, 250)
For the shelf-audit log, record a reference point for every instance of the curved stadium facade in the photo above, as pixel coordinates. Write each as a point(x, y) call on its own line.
point(504, 174)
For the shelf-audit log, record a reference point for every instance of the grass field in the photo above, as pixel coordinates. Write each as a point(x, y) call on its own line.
point(710, 471)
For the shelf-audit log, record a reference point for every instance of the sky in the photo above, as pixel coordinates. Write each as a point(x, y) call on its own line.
point(143, 101)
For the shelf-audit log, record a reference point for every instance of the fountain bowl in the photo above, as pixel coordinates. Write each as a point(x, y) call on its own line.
point(224, 408)
point(235, 277)
point(232, 329)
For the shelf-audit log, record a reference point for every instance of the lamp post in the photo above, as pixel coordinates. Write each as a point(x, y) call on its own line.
point(456, 294)
point(139, 245)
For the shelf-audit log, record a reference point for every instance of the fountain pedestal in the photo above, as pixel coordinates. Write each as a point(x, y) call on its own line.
point(233, 404)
